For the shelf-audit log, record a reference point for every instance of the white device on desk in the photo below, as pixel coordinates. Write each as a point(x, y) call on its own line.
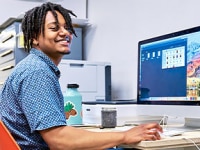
point(126, 114)
point(92, 113)
point(93, 78)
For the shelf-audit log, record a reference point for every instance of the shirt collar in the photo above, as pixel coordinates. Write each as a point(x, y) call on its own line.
point(47, 60)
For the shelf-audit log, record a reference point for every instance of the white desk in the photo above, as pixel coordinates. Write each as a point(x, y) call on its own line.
point(176, 142)
point(182, 142)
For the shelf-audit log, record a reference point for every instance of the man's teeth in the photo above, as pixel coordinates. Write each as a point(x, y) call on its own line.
point(68, 39)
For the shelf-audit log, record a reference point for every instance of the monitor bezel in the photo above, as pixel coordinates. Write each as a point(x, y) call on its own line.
point(154, 39)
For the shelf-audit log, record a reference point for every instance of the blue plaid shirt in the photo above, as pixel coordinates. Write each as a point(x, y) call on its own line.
point(31, 100)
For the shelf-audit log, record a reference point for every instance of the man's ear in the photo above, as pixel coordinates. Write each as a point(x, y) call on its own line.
point(35, 42)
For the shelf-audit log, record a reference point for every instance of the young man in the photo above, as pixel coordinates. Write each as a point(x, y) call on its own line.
point(31, 101)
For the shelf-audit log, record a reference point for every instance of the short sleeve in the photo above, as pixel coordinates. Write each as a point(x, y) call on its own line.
point(42, 101)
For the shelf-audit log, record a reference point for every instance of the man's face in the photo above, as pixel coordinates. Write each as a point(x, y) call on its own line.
point(57, 39)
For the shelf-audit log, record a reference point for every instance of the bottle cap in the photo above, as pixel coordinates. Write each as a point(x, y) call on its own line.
point(72, 86)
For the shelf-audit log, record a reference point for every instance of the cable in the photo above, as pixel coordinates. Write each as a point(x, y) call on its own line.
point(163, 122)
point(192, 142)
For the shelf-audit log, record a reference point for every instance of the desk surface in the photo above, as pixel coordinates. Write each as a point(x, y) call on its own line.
point(184, 140)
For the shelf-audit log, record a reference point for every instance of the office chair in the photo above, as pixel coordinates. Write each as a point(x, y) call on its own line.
point(7, 142)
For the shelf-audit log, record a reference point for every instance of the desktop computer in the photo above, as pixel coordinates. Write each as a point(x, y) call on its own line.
point(169, 75)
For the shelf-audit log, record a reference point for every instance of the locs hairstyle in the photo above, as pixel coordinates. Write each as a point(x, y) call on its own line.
point(34, 20)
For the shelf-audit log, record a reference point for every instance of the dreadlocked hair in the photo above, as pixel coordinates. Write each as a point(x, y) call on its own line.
point(34, 20)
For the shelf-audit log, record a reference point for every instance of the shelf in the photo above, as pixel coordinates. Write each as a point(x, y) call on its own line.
point(8, 22)
point(79, 22)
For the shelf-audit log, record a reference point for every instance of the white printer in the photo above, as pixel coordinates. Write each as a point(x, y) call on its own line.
point(94, 78)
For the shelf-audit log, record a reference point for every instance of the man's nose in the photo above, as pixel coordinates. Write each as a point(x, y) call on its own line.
point(64, 31)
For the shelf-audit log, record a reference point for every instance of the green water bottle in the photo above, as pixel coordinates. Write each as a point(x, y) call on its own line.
point(73, 105)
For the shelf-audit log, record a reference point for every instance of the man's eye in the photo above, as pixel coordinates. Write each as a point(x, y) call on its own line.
point(54, 28)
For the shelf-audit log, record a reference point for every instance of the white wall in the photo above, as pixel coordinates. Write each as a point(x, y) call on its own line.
point(13, 8)
point(118, 25)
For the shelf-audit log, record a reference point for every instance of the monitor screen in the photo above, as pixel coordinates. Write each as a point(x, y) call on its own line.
point(169, 68)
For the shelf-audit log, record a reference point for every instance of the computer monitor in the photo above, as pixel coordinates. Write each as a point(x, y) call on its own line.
point(169, 69)
point(169, 72)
